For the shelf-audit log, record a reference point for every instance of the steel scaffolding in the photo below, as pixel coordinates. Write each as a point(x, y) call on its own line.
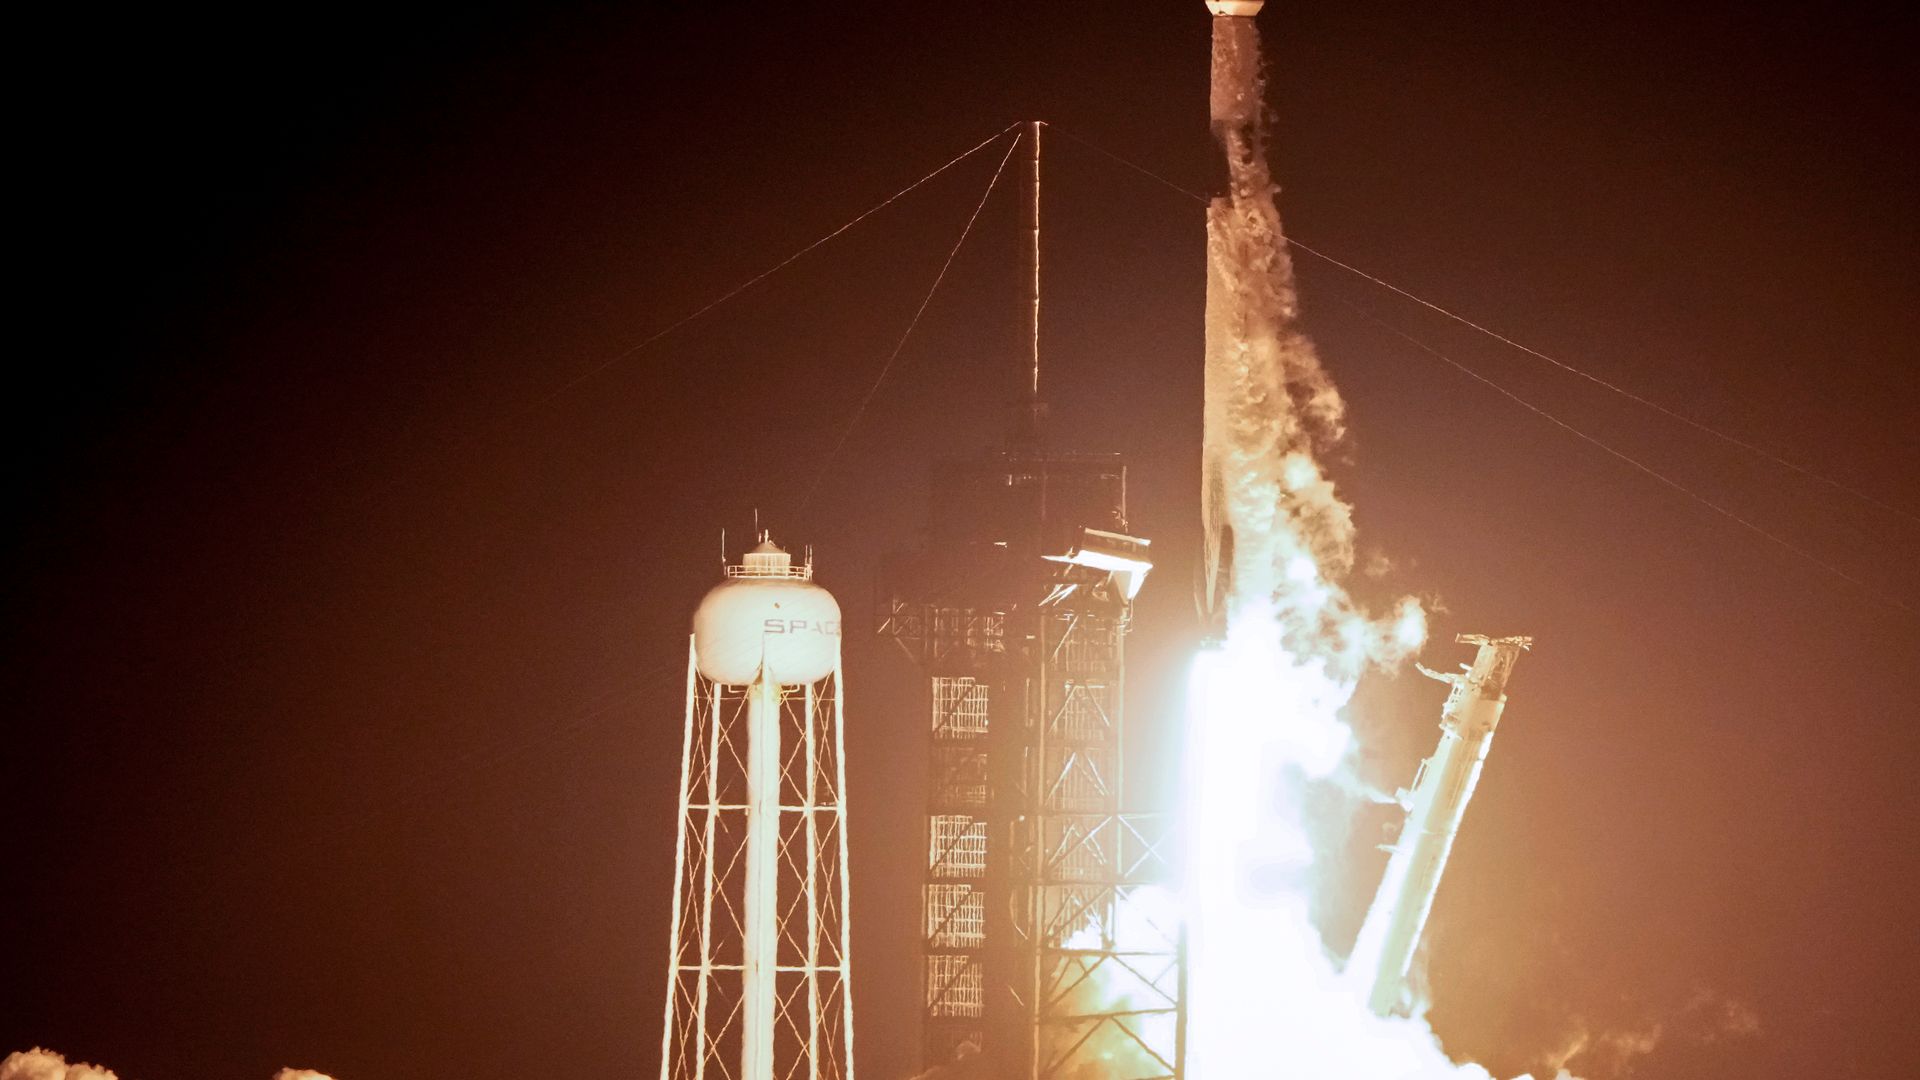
point(1044, 957)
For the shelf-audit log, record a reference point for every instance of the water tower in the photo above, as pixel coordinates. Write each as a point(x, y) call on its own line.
point(757, 979)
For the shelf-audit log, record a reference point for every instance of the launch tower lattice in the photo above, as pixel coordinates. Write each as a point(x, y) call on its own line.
point(1037, 960)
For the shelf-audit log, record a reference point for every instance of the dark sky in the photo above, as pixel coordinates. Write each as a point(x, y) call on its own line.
point(344, 670)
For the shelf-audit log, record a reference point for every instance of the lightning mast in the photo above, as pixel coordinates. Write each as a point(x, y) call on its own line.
point(1383, 954)
point(1033, 363)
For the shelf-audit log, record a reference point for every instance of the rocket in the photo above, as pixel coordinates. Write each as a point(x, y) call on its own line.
point(1268, 401)
point(1233, 92)
point(1234, 103)
point(1384, 951)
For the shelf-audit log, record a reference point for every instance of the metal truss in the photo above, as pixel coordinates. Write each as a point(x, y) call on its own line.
point(942, 636)
point(1083, 979)
point(757, 980)
point(1045, 950)
point(1109, 999)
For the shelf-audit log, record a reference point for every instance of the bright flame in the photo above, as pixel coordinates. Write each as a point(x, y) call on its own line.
point(1264, 723)
point(1264, 997)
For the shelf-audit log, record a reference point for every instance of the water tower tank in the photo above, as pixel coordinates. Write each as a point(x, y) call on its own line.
point(768, 615)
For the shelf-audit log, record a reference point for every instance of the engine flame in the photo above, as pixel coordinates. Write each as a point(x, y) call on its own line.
point(1265, 722)
point(1265, 996)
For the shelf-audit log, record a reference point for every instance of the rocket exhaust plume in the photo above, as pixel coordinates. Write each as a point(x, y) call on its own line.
point(1265, 997)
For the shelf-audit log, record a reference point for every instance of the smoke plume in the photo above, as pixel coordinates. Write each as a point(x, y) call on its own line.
point(1266, 723)
point(41, 1064)
point(1616, 1052)
point(1279, 538)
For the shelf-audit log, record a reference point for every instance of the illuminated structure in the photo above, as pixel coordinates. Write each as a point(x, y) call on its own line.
point(1383, 953)
point(758, 977)
point(1034, 963)
point(1043, 956)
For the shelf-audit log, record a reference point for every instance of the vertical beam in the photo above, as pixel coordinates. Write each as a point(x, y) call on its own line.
point(1117, 707)
point(846, 871)
point(1033, 370)
point(682, 822)
point(812, 801)
point(702, 1051)
point(761, 922)
point(1041, 785)
point(1180, 1003)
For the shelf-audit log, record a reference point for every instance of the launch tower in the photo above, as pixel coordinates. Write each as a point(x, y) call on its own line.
point(1038, 958)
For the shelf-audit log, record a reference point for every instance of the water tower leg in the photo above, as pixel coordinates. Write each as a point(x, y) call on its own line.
point(761, 910)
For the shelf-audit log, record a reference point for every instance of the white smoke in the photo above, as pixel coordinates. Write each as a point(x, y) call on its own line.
point(42, 1064)
point(1266, 721)
point(1271, 514)
point(1706, 1017)
point(1130, 990)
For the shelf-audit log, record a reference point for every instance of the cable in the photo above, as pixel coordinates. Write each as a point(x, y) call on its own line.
point(514, 414)
point(480, 758)
point(1529, 350)
point(487, 756)
point(1622, 391)
point(860, 410)
point(1135, 166)
point(776, 268)
point(1630, 460)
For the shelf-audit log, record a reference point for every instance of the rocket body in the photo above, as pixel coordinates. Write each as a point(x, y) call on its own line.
point(1249, 303)
point(1269, 406)
point(1383, 955)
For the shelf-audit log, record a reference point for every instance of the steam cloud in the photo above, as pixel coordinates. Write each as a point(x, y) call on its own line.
point(39, 1064)
point(1266, 996)
point(1705, 1018)
point(1270, 513)
point(42, 1064)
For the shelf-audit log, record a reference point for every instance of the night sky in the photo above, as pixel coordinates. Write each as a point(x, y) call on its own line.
point(346, 646)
